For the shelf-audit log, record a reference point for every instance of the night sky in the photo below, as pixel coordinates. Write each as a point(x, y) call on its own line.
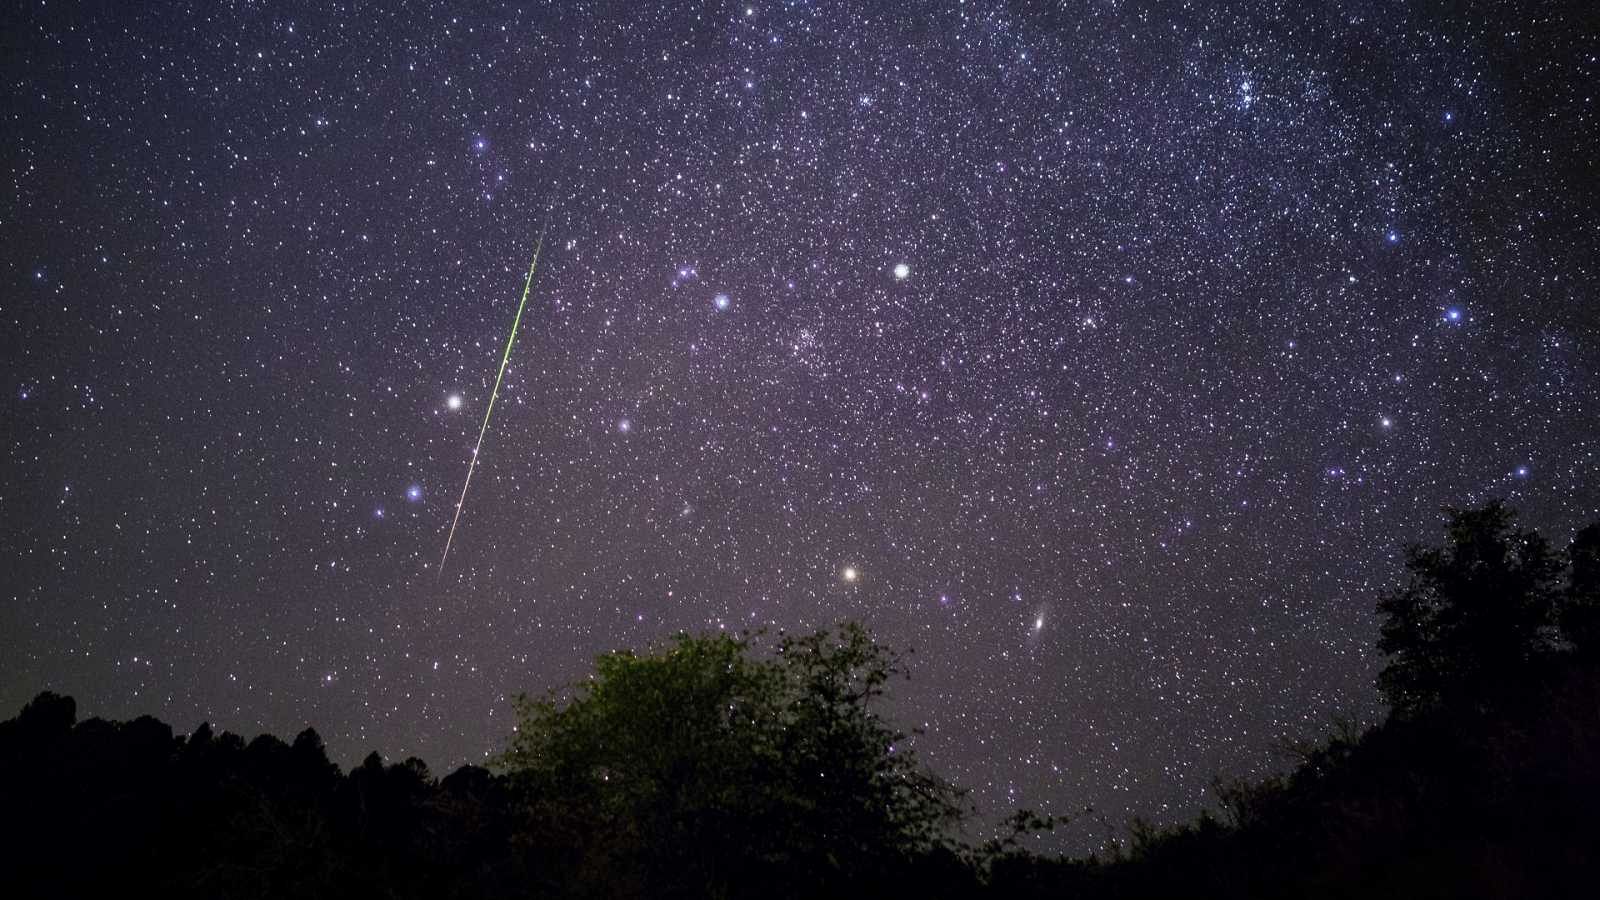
point(1102, 353)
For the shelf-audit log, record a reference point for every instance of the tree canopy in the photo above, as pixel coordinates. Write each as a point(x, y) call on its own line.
point(746, 766)
point(1479, 610)
point(703, 766)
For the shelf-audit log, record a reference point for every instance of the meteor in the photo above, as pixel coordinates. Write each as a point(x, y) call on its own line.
point(493, 395)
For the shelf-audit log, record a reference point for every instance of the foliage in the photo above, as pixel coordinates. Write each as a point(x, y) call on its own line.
point(1482, 784)
point(1475, 612)
point(99, 808)
point(702, 768)
point(711, 769)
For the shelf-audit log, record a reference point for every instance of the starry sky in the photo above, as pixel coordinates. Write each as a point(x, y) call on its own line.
point(1103, 353)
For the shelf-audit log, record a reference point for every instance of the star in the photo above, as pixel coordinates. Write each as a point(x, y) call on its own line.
point(1186, 301)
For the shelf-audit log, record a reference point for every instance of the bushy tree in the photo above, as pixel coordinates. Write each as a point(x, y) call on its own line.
point(703, 769)
point(1474, 613)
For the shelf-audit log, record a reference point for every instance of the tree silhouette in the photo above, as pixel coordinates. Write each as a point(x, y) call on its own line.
point(722, 766)
point(1474, 613)
point(1580, 613)
point(702, 770)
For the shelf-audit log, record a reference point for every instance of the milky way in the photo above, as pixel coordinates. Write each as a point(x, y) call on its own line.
point(1104, 354)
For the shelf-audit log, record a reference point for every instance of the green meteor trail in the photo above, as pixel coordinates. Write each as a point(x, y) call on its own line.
point(493, 395)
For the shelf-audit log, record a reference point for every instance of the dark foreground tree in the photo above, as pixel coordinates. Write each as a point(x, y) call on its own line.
point(716, 768)
point(1580, 613)
point(1482, 784)
point(1476, 614)
point(704, 769)
point(700, 770)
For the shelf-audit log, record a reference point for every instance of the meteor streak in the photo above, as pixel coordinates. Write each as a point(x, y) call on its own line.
point(493, 395)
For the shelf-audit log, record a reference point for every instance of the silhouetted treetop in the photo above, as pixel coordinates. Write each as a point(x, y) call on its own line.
point(1491, 607)
point(735, 766)
point(709, 766)
point(1476, 610)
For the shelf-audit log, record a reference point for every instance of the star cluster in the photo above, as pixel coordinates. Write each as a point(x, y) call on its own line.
point(1103, 353)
